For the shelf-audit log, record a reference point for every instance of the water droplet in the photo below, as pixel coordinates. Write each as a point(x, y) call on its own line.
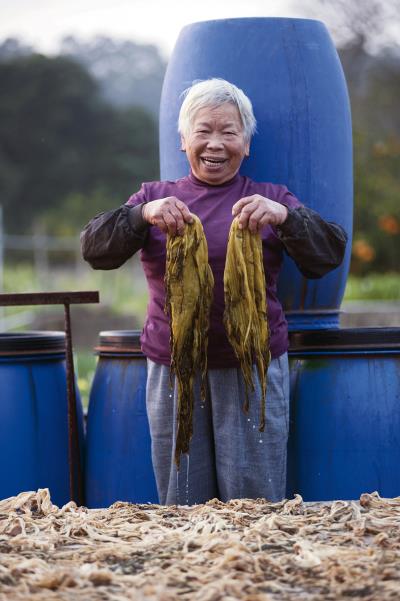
point(269, 480)
point(202, 406)
point(254, 427)
point(260, 440)
point(170, 396)
point(177, 488)
point(248, 419)
point(187, 480)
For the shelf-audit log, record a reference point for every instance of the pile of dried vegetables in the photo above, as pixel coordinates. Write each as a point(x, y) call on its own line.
point(189, 287)
point(250, 550)
point(245, 316)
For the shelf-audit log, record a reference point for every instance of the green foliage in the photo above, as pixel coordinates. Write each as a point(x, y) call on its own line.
point(376, 242)
point(375, 286)
point(62, 146)
point(85, 367)
point(374, 85)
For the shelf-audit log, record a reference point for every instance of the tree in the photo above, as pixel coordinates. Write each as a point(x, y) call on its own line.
point(59, 139)
point(370, 56)
point(129, 74)
point(367, 25)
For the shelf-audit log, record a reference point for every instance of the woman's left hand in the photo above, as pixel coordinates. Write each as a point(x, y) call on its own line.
point(256, 211)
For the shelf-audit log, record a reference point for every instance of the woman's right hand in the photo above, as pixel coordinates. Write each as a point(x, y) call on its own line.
point(169, 214)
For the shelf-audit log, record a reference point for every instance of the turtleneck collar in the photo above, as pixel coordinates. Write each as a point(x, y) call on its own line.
point(199, 182)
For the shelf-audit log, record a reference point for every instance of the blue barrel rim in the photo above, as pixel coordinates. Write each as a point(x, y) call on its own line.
point(32, 356)
point(119, 343)
point(348, 353)
point(112, 353)
point(313, 319)
point(31, 342)
point(344, 339)
point(252, 19)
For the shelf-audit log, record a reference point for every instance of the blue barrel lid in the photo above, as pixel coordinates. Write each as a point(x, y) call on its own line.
point(345, 339)
point(22, 343)
point(120, 342)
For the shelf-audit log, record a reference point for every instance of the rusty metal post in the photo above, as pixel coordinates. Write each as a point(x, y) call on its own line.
point(73, 435)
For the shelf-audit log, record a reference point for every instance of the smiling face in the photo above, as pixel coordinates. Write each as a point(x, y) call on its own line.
point(215, 145)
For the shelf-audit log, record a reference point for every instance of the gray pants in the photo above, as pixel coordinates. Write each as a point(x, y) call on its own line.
point(228, 458)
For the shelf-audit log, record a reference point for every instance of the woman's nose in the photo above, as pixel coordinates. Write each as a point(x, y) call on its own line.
point(214, 141)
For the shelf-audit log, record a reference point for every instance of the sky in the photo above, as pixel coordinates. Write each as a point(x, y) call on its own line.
point(42, 23)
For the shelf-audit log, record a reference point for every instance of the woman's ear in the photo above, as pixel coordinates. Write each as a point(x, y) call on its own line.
point(247, 150)
point(183, 144)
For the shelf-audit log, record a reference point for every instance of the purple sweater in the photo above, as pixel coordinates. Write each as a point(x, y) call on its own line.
point(213, 205)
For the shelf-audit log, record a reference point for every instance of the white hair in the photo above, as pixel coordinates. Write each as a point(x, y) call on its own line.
point(214, 92)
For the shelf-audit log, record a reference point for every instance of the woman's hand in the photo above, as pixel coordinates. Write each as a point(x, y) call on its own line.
point(256, 211)
point(169, 214)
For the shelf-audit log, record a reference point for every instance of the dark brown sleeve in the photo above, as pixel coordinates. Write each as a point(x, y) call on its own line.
point(316, 246)
point(111, 238)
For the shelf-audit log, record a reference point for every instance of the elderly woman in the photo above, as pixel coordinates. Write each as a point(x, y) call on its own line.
point(229, 458)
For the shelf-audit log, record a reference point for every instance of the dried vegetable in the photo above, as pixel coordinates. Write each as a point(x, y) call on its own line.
point(245, 316)
point(250, 550)
point(189, 284)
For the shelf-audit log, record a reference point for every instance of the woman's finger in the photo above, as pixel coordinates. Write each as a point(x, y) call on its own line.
point(245, 213)
point(179, 219)
point(170, 222)
point(238, 206)
point(160, 223)
point(186, 214)
point(256, 220)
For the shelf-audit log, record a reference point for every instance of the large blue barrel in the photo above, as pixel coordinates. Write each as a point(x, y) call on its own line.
point(34, 415)
point(118, 445)
point(291, 71)
point(345, 413)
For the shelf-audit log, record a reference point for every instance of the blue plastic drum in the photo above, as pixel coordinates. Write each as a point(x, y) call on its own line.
point(34, 415)
point(345, 413)
point(118, 445)
point(291, 71)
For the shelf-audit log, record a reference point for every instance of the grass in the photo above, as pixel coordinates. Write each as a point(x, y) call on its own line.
point(375, 286)
point(123, 290)
point(85, 367)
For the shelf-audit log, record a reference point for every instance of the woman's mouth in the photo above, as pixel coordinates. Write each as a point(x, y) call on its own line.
point(213, 162)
